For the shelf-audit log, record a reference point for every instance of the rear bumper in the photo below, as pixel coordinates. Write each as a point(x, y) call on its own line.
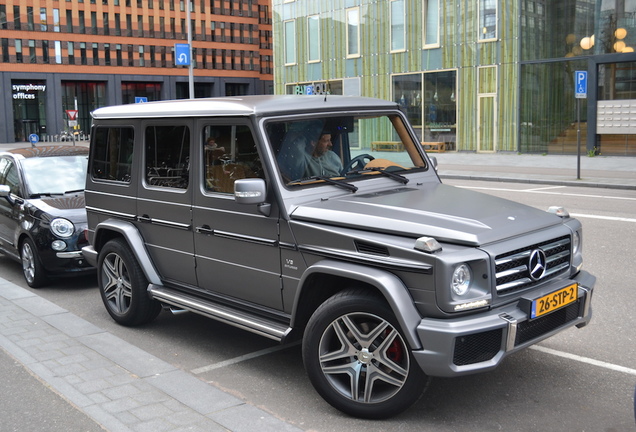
point(480, 342)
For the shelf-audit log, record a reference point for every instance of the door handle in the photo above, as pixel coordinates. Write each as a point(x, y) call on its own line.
point(144, 218)
point(205, 229)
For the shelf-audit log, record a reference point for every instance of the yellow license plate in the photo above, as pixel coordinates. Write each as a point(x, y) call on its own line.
point(554, 301)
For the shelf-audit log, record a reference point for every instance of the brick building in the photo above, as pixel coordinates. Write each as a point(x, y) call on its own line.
point(57, 55)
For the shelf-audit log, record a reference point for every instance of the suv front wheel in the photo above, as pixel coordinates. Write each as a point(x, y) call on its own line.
point(357, 358)
point(123, 285)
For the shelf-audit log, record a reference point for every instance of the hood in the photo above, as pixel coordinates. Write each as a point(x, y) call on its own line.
point(447, 213)
point(71, 206)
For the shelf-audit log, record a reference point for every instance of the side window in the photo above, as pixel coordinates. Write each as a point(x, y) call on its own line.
point(112, 153)
point(229, 154)
point(167, 156)
point(9, 175)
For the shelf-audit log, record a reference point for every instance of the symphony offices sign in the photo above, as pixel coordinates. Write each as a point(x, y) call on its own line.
point(27, 91)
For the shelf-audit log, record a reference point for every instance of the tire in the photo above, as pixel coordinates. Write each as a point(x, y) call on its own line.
point(352, 338)
point(32, 267)
point(123, 285)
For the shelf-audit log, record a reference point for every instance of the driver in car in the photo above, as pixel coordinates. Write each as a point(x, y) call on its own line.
point(323, 161)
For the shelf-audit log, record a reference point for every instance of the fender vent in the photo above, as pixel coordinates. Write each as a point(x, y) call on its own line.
point(371, 249)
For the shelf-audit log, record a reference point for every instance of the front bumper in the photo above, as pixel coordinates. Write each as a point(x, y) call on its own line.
point(480, 342)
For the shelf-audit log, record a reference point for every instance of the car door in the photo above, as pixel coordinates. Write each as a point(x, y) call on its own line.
point(236, 245)
point(164, 205)
point(9, 209)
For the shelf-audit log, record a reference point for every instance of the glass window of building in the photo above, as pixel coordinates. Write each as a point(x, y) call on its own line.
point(71, 52)
point(82, 25)
point(58, 52)
point(398, 30)
point(95, 53)
point(407, 92)
point(69, 21)
point(5, 50)
point(56, 20)
point(117, 24)
point(3, 17)
point(313, 38)
point(83, 57)
point(353, 32)
point(43, 25)
point(487, 20)
point(30, 20)
point(431, 23)
point(18, 50)
point(17, 25)
point(94, 23)
point(33, 57)
point(290, 42)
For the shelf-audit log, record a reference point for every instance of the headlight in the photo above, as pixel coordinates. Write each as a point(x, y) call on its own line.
point(62, 227)
point(462, 277)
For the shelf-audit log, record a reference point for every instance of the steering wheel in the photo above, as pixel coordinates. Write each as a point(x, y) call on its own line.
point(357, 163)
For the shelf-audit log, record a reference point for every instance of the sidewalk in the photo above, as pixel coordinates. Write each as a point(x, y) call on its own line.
point(599, 171)
point(119, 386)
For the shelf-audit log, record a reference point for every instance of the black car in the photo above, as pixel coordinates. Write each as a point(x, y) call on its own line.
point(42, 210)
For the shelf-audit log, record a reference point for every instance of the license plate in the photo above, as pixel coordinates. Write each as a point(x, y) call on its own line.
point(553, 301)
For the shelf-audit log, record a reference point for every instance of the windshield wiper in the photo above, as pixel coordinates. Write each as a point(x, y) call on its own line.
point(73, 191)
point(345, 185)
point(382, 171)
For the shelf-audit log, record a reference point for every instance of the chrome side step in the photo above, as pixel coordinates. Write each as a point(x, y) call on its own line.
point(237, 318)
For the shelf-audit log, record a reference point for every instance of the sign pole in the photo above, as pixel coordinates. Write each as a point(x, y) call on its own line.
point(580, 92)
point(190, 66)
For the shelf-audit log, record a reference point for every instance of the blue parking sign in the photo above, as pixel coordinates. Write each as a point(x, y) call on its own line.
point(580, 84)
point(182, 54)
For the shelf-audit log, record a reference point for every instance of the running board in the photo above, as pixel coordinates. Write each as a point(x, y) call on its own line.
point(237, 318)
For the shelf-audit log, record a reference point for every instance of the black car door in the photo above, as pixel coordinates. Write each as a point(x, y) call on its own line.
point(9, 208)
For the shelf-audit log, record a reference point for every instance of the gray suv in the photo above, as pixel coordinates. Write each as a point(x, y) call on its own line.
point(323, 219)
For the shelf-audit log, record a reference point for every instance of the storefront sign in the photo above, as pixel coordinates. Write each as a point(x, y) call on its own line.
point(27, 91)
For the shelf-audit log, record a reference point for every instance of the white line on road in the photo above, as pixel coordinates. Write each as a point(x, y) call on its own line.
point(609, 218)
point(587, 360)
point(239, 359)
point(544, 191)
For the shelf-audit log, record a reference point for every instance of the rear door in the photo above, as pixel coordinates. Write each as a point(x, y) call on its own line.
point(236, 246)
point(164, 210)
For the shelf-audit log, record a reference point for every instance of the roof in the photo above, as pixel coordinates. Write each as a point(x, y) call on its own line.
point(46, 151)
point(240, 106)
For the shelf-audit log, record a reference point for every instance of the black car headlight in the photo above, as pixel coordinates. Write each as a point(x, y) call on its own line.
point(63, 228)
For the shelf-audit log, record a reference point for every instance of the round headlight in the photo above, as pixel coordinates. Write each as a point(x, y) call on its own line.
point(462, 277)
point(62, 227)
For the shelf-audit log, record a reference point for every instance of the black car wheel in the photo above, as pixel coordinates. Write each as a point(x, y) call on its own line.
point(123, 286)
point(357, 358)
point(32, 267)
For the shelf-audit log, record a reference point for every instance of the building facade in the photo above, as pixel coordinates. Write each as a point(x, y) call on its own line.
point(59, 55)
point(478, 75)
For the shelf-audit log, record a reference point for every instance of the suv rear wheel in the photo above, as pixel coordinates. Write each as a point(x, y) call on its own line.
point(357, 358)
point(123, 285)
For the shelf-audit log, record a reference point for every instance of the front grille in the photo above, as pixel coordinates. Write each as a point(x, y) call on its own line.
point(529, 330)
point(477, 347)
point(513, 268)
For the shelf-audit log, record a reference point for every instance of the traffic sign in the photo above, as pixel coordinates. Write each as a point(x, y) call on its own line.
point(34, 138)
point(580, 84)
point(141, 99)
point(72, 114)
point(182, 54)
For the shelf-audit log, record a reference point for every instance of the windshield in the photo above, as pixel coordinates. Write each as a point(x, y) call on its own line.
point(55, 174)
point(343, 148)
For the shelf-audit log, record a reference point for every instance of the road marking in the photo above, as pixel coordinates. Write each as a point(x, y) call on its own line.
point(544, 188)
point(609, 218)
point(587, 360)
point(242, 358)
point(544, 191)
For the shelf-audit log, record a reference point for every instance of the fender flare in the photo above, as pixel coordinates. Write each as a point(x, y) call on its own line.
point(389, 285)
point(135, 241)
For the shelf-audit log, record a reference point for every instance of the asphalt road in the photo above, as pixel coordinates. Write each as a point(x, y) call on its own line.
point(580, 380)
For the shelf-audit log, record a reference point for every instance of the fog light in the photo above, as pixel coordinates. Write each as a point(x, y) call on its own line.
point(58, 245)
point(471, 305)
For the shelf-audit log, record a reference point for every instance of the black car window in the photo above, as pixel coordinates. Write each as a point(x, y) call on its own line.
point(229, 154)
point(112, 154)
point(9, 175)
point(167, 156)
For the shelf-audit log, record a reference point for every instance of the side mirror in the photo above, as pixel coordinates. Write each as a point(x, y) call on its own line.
point(4, 191)
point(252, 191)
